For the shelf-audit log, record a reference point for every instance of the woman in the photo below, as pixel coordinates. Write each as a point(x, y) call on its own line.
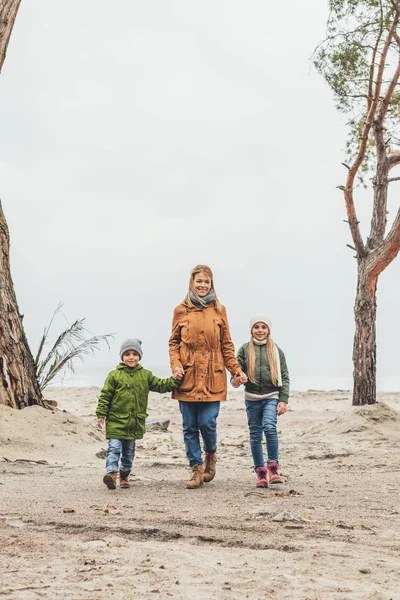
point(200, 348)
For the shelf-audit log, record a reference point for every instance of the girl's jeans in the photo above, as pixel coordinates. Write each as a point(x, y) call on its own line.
point(199, 417)
point(117, 450)
point(262, 417)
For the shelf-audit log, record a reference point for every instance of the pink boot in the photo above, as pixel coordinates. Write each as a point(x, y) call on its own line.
point(262, 480)
point(273, 473)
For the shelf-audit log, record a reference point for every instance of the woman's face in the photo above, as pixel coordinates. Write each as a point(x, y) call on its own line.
point(201, 284)
point(260, 331)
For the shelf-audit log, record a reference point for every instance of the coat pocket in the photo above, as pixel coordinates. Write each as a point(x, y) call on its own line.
point(217, 378)
point(189, 379)
point(140, 424)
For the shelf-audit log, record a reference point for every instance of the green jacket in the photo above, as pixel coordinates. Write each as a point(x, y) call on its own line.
point(123, 400)
point(263, 383)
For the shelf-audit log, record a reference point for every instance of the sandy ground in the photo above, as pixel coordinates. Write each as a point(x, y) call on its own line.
point(63, 534)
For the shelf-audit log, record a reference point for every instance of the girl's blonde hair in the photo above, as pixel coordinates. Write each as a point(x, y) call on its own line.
point(251, 359)
point(207, 271)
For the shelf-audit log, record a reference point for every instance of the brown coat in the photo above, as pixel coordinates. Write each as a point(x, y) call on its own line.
point(201, 343)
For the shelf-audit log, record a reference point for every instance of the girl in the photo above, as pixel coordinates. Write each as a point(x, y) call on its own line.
point(266, 396)
point(200, 348)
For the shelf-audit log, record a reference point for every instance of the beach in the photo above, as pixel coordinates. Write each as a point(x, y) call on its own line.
point(331, 531)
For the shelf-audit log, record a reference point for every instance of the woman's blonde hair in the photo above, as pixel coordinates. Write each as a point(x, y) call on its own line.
point(195, 271)
point(251, 359)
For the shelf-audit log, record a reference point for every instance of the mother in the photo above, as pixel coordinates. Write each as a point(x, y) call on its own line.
point(200, 347)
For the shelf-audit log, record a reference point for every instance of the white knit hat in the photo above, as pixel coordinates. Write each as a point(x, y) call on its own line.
point(259, 319)
point(131, 344)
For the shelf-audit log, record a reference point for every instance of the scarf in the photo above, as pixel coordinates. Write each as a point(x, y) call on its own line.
point(277, 358)
point(203, 301)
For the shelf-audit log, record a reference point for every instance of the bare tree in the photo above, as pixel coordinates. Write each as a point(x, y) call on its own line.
point(18, 384)
point(360, 61)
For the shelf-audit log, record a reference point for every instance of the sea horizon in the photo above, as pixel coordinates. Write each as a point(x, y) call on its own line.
point(94, 376)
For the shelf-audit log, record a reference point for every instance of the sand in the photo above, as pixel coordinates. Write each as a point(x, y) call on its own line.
point(332, 531)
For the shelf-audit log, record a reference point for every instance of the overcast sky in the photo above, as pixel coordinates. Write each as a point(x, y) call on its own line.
point(141, 138)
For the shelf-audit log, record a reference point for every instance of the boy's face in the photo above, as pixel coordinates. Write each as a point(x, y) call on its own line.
point(130, 358)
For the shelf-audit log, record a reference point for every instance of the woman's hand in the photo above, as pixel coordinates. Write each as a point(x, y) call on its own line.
point(178, 373)
point(281, 408)
point(100, 423)
point(235, 381)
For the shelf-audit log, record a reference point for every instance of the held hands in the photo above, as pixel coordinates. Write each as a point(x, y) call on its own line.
point(239, 378)
point(281, 408)
point(178, 373)
point(100, 424)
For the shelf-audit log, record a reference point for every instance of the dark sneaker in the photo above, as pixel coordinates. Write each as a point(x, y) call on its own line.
point(273, 473)
point(124, 481)
point(110, 479)
point(262, 480)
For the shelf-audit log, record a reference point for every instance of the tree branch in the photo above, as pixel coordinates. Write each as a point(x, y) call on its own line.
point(348, 192)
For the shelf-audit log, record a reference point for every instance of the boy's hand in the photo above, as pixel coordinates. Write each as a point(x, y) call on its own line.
point(281, 408)
point(178, 373)
point(100, 423)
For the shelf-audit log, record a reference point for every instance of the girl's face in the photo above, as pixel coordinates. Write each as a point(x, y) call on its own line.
point(201, 284)
point(260, 331)
point(130, 358)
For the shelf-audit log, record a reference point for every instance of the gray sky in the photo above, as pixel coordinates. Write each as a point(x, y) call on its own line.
point(140, 141)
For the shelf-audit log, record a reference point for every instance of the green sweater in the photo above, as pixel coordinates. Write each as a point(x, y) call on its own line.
point(262, 373)
point(123, 400)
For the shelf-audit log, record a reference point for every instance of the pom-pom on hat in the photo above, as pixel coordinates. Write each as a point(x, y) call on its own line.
point(131, 344)
point(259, 319)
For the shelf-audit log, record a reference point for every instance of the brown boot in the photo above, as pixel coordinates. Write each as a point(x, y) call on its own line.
point(124, 481)
point(210, 466)
point(196, 480)
point(110, 480)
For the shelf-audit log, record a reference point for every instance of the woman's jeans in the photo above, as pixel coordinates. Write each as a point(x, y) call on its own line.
point(120, 450)
point(199, 417)
point(262, 417)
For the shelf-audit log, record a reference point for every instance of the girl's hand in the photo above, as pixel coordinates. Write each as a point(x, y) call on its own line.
point(100, 423)
point(243, 378)
point(281, 408)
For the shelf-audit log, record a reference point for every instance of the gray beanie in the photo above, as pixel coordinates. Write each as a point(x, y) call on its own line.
point(131, 344)
point(259, 319)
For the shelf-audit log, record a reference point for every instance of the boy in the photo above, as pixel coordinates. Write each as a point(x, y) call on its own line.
point(123, 405)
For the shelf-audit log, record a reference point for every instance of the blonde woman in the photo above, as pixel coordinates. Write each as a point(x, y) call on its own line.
point(266, 396)
point(200, 349)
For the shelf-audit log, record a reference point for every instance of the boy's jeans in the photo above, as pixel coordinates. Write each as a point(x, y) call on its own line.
point(120, 449)
point(199, 416)
point(262, 417)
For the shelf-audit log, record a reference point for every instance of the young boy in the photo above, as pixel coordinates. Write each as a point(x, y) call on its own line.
point(123, 405)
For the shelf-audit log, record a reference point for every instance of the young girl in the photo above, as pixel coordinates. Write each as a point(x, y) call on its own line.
point(266, 396)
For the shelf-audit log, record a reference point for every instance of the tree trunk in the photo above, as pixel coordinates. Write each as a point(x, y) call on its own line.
point(18, 384)
point(8, 12)
point(364, 348)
